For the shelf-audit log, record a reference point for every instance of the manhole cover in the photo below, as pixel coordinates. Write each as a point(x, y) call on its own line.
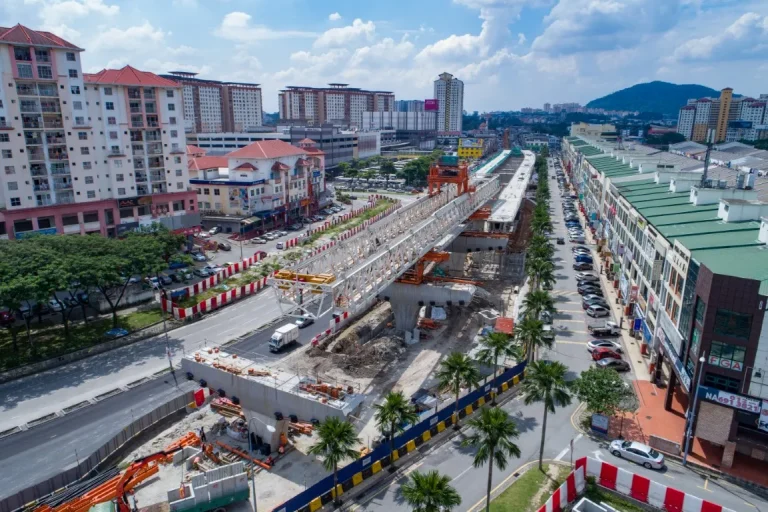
point(516, 475)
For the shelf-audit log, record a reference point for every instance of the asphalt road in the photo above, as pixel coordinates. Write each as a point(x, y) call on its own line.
point(455, 461)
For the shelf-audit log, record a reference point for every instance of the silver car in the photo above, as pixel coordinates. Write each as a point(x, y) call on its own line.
point(639, 453)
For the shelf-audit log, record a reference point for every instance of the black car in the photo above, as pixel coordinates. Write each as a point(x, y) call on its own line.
point(594, 302)
point(582, 266)
point(586, 290)
point(613, 364)
point(560, 240)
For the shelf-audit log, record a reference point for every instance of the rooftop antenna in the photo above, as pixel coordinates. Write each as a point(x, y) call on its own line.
point(710, 140)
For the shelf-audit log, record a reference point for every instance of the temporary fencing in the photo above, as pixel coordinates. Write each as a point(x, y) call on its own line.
point(360, 470)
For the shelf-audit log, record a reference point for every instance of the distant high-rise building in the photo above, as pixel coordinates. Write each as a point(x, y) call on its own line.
point(409, 106)
point(211, 106)
point(335, 104)
point(547, 108)
point(449, 92)
point(732, 119)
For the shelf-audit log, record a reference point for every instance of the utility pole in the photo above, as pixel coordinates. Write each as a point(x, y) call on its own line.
point(692, 415)
point(710, 139)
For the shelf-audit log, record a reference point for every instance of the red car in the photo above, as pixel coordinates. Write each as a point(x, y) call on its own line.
point(602, 353)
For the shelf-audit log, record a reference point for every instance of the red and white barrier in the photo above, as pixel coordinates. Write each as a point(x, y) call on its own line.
point(567, 493)
point(635, 486)
point(210, 282)
point(214, 302)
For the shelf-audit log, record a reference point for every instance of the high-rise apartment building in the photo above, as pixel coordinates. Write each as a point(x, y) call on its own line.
point(336, 104)
point(409, 106)
point(449, 92)
point(211, 106)
point(547, 108)
point(86, 153)
point(732, 119)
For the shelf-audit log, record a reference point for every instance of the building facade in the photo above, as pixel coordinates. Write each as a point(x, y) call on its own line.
point(732, 119)
point(408, 121)
point(409, 106)
point(470, 148)
point(87, 153)
point(211, 106)
point(449, 92)
point(337, 104)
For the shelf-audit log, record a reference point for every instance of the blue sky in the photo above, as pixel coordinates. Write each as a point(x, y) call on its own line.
point(510, 53)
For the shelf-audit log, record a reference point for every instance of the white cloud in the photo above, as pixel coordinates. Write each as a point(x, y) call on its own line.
point(180, 51)
point(386, 50)
point(58, 12)
point(521, 39)
point(334, 16)
point(745, 38)
point(594, 25)
point(357, 32)
point(481, 68)
point(164, 66)
point(142, 36)
point(236, 26)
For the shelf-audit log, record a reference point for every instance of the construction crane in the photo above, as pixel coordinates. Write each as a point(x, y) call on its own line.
point(419, 273)
point(448, 170)
point(126, 481)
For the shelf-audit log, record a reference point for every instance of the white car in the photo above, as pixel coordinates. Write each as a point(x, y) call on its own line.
point(638, 452)
point(592, 345)
point(55, 305)
point(597, 311)
point(586, 276)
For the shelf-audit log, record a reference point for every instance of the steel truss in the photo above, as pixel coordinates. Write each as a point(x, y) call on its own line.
point(371, 260)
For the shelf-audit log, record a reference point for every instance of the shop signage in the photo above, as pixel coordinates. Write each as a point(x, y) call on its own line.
point(762, 423)
point(616, 268)
point(685, 379)
point(726, 363)
point(633, 293)
point(637, 325)
point(600, 423)
point(44, 231)
point(730, 399)
point(133, 201)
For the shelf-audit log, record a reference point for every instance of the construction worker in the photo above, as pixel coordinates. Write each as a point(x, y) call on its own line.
point(202, 434)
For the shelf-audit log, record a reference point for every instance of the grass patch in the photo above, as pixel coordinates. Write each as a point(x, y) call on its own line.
point(598, 495)
point(531, 490)
point(381, 206)
point(48, 341)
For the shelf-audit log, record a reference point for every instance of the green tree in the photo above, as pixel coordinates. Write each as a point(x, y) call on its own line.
point(336, 439)
point(603, 390)
point(457, 371)
point(430, 492)
point(530, 335)
point(537, 302)
point(387, 167)
point(541, 272)
point(343, 168)
point(391, 418)
point(492, 435)
point(495, 346)
point(545, 382)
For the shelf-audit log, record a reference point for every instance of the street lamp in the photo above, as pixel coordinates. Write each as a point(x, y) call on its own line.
point(271, 430)
point(691, 416)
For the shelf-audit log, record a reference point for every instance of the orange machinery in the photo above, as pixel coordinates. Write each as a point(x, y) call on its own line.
point(126, 481)
point(449, 170)
point(416, 275)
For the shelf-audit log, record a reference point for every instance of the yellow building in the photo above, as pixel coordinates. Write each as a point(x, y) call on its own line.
point(470, 148)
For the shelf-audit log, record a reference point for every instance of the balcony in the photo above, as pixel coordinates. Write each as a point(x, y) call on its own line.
point(142, 190)
point(134, 94)
point(156, 176)
point(59, 169)
point(153, 124)
point(153, 136)
point(44, 200)
point(141, 177)
point(150, 108)
point(36, 155)
point(65, 198)
point(57, 154)
point(47, 90)
point(42, 56)
point(138, 164)
point(32, 138)
point(62, 185)
point(155, 162)
point(41, 187)
point(116, 152)
point(159, 188)
point(22, 54)
point(149, 94)
point(53, 124)
point(135, 110)
point(29, 106)
point(56, 138)
point(139, 151)
point(26, 89)
point(137, 121)
point(155, 149)
point(38, 170)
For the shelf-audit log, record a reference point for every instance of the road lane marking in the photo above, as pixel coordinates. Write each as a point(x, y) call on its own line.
point(461, 474)
point(562, 453)
point(706, 483)
point(572, 342)
point(580, 321)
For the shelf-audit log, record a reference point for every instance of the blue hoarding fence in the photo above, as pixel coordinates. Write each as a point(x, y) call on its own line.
point(355, 473)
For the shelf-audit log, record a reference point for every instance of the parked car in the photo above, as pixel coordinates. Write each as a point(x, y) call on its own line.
point(280, 245)
point(584, 258)
point(225, 246)
point(613, 364)
point(586, 276)
point(304, 322)
point(55, 305)
point(580, 249)
point(165, 279)
point(560, 240)
point(637, 452)
point(589, 290)
point(612, 345)
point(202, 272)
point(271, 235)
point(197, 256)
point(6, 318)
point(295, 227)
point(153, 282)
point(598, 311)
point(258, 241)
point(601, 353)
point(212, 269)
point(595, 300)
point(214, 230)
point(282, 233)
point(582, 266)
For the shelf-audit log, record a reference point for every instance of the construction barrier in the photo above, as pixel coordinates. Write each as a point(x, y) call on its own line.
point(629, 484)
point(212, 303)
point(210, 282)
point(362, 469)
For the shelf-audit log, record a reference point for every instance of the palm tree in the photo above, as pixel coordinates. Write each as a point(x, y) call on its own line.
point(541, 271)
point(336, 439)
point(493, 432)
point(537, 302)
point(545, 382)
point(391, 415)
point(495, 346)
point(530, 335)
point(430, 492)
point(457, 371)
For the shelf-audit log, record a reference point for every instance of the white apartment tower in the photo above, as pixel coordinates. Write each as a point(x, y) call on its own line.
point(80, 153)
point(336, 104)
point(449, 92)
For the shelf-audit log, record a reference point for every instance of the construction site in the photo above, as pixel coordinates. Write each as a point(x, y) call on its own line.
point(398, 298)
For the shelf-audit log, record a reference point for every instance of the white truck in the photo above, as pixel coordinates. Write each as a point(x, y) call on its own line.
point(284, 336)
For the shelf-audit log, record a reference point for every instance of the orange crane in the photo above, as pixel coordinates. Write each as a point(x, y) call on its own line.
point(126, 481)
point(416, 275)
point(448, 170)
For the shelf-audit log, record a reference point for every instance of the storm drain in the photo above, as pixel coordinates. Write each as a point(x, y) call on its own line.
point(108, 394)
point(41, 420)
point(77, 406)
point(10, 431)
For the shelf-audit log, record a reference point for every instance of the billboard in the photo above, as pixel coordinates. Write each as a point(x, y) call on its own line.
point(430, 104)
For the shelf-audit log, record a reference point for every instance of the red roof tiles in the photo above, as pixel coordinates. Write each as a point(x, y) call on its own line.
point(303, 162)
point(194, 150)
point(246, 167)
point(306, 141)
point(207, 162)
point(128, 76)
point(267, 149)
point(26, 36)
point(280, 166)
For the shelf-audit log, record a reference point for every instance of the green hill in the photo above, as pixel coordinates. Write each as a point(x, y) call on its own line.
point(662, 97)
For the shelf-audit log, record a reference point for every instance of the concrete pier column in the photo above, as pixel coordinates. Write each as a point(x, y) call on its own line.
point(404, 300)
point(456, 262)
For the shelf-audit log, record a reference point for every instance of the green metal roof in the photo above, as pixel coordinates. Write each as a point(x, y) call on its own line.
point(723, 240)
point(590, 151)
point(706, 228)
point(744, 262)
point(663, 211)
point(692, 216)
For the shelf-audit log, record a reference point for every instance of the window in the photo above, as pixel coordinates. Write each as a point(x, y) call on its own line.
point(12, 185)
point(75, 89)
point(720, 382)
point(177, 159)
point(120, 177)
point(7, 153)
point(109, 105)
point(4, 137)
point(118, 163)
point(171, 120)
point(115, 150)
point(85, 151)
point(111, 120)
point(89, 180)
point(121, 191)
point(15, 201)
point(72, 73)
point(701, 306)
point(113, 135)
point(91, 194)
point(87, 166)
point(79, 121)
point(206, 191)
point(169, 93)
point(730, 323)
point(107, 91)
point(179, 186)
point(174, 134)
point(171, 107)
point(9, 169)
point(178, 172)
point(726, 355)
point(77, 105)
point(71, 56)
point(44, 72)
point(25, 70)
point(216, 192)
point(82, 135)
